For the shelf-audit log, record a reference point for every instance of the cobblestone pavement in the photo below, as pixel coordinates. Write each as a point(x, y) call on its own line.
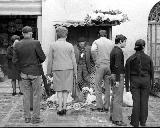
point(11, 113)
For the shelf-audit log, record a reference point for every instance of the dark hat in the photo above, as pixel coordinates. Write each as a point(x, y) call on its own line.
point(81, 39)
point(26, 29)
point(139, 45)
point(102, 32)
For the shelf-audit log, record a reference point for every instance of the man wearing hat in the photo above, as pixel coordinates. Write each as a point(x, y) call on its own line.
point(100, 50)
point(28, 56)
point(83, 59)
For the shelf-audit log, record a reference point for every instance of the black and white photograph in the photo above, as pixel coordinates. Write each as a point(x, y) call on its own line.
point(79, 63)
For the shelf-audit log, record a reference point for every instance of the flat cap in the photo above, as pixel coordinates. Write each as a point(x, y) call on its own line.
point(26, 29)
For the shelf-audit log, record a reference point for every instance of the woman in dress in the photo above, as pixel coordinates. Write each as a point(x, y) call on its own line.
point(13, 72)
point(62, 65)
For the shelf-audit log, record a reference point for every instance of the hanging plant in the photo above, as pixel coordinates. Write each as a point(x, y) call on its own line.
point(106, 17)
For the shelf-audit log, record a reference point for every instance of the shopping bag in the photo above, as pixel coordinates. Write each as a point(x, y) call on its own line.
point(127, 98)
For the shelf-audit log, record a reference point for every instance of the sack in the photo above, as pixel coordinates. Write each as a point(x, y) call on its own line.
point(76, 92)
point(127, 98)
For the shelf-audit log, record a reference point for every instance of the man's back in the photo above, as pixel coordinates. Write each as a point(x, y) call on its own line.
point(104, 47)
point(29, 56)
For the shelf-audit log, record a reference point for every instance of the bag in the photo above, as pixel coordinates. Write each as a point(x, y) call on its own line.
point(127, 98)
point(76, 92)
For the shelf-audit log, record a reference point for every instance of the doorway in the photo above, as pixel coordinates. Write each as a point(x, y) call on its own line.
point(12, 25)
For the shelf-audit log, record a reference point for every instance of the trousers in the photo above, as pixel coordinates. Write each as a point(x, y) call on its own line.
point(102, 73)
point(117, 99)
point(83, 77)
point(31, 87)
point(140, 89)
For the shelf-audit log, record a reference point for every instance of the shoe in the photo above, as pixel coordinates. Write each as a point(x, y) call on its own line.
point(133, 125)
point(105, 110)
point(64, 111)
point(119, 123)
point(31, 109)
point(143, 124)
point(60, 113)
point(36, 121)
point(27, 120)
point(110, 118)
point(14, 93)
point(20, 93)
point(97, 109)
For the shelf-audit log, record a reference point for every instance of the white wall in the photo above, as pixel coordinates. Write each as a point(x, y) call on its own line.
point(58, 10)
point(51, 11)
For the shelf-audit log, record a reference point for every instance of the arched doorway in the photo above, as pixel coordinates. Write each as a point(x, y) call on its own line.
point(154, 35)
point(153, 44)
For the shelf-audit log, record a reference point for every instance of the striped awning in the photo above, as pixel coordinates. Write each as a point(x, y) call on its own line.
point(20, 7)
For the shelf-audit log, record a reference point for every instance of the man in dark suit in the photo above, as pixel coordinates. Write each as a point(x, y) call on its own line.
point(83, 59)
point(28, 56)
point(117, 71)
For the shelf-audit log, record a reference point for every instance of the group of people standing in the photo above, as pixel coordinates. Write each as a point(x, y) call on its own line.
point(67, 62)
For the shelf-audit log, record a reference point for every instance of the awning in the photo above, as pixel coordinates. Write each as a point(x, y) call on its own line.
point(84, 24)
point(20, 7)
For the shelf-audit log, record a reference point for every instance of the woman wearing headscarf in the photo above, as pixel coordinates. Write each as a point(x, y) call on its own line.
point(140, 75)
point(62, 65)
point(13, 72)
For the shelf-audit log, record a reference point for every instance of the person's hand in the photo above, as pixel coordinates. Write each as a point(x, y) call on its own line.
point(50, 75)
point(117, 84)
point(75, 75)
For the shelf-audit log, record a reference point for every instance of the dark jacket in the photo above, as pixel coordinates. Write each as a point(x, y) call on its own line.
point(28, 56)
point(117, 62)
point(88, 56)
point(141, 68)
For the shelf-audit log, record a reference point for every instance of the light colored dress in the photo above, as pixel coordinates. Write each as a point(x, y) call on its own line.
point(62, 63)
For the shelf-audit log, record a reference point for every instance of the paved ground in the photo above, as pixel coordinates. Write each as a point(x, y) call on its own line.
point(11, 113)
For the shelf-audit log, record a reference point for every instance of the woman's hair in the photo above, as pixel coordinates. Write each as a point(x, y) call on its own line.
point(136, 60)
point(13, 38)
point(119, 38)
point(61, 32)
point(139, 45)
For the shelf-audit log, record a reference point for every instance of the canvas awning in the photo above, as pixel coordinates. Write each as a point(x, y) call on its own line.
point(20, 7)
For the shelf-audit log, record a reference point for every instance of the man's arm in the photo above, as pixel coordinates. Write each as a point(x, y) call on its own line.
point(94, 51)
point(74, 61)
point(40, 53)
point(118, 58)
point(127, 74)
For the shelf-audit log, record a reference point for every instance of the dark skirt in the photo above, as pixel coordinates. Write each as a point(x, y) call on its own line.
point(12, 72)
